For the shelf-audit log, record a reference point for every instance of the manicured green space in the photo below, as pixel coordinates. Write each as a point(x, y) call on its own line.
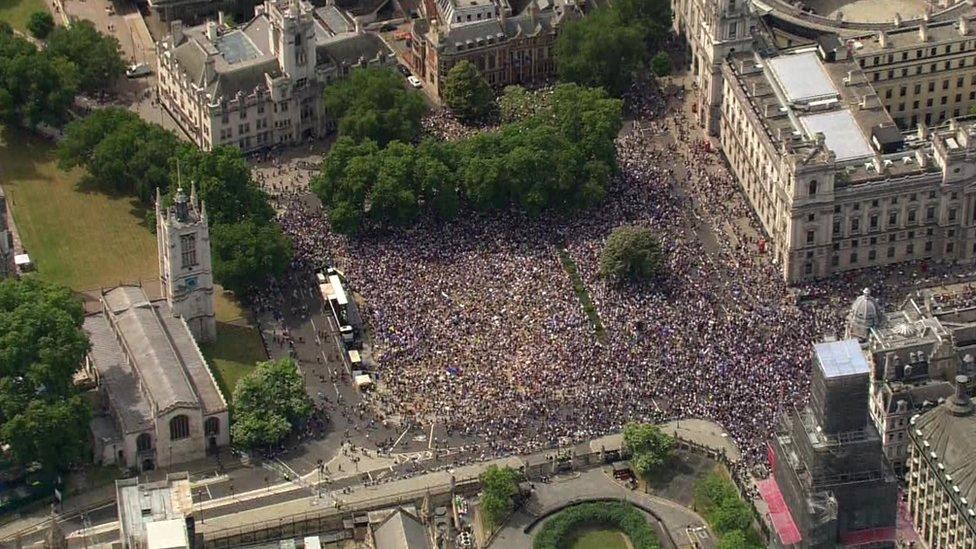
point(570, 527)
point(584, 297)
point(16, 12)
point(599, 539)
point(87, 240)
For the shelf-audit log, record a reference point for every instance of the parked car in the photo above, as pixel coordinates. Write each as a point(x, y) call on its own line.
point(138, 70)
point(415, 82)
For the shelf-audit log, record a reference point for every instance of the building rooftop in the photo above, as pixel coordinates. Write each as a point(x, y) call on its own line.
point(841, 358)
point(949, 434)
point(401, 530)
point(842, 136)
point(802, 77)
point(141, 505)
point(908, 37)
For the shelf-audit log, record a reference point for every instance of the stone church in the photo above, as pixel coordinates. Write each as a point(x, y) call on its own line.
point(157, 402)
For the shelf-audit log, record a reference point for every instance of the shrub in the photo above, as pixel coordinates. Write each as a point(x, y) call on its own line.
point(557, 530)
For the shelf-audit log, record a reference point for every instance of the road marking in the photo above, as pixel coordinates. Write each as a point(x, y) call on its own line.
point(430, 441)
point(405, 431)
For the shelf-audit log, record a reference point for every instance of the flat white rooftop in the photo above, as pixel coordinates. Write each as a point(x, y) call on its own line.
point(841, 358)
point(802, 77)
point(842, 135)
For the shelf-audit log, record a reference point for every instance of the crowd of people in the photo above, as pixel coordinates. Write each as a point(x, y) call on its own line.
point(475, 324)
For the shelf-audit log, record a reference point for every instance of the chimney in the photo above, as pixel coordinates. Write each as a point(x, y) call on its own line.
point(897, 19)
point(209, 70)
point(963, 26)
point(923, 32)
point(176, 29)
point(923, 131)
point(211, 30)
point(961, 404)
point(883, 39)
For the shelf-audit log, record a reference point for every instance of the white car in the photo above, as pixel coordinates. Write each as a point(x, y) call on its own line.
point(138, 70)
point(415, 82)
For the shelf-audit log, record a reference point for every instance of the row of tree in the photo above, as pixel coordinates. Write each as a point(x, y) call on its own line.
point(124, 154)
point(43, 418)
point(39, 85)
point(717, 499)
point(559, 156)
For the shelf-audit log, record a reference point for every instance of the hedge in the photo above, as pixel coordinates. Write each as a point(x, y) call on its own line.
point(556, 532)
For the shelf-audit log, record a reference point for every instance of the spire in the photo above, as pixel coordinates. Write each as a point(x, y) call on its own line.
point(182, 207)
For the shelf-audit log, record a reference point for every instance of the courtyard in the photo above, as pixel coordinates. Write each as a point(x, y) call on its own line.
point(87, 240)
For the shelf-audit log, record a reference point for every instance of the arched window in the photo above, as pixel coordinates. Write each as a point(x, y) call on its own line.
point(143, 442)
point(812, 187)
point(179, 427)
point(211, 427)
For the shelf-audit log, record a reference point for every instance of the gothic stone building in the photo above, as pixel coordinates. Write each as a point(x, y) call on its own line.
point(506, 48)
point(261, 84)
point(158, 402)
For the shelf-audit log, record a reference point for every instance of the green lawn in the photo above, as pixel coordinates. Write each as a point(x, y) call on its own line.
point(599, 539)
point(16, 12)
point(86, 240)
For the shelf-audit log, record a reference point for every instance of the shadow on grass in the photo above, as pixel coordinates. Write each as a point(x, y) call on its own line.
point(233, 355)
point(22, 152)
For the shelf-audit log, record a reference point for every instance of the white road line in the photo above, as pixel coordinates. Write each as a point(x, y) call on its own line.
point(430, 440)
point(405, 431)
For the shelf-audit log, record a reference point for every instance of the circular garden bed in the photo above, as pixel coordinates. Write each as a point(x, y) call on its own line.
point(579, 522)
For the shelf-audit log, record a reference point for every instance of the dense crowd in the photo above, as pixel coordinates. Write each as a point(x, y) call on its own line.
point(475, 323)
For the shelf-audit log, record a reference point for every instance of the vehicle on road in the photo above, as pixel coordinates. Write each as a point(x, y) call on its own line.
point(415, 82)
point(138, 70)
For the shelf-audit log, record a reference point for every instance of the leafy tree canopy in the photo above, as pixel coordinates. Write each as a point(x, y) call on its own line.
point(466, 92)
point(631, 253)
point(41, 346)
point(600, 50)
point(373, 103)
point(268, 403)
point(498, 485)
point(650, 448)
point(661, 64)
point(35, 86)
point(653, 17)
point(97, 56)
point(40, 24)
point(224, 182)
point(247, 254)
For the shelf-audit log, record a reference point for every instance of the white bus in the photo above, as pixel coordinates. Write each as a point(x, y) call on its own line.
point(335, 296)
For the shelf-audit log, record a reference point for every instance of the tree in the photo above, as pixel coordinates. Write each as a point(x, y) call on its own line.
point(650, 448)
point(652, 17)
point(269, 402)
point(42, 417)
point(82, 135)
point(35, 86)
point(247, 254)
point(732, 515)
point(40, 24)
point(661, 64)
point(97, 56)
point(224, 182)
point(631, 253)
point(372, 103)
point(599, 50)
point(466, 92)
point(498, 485)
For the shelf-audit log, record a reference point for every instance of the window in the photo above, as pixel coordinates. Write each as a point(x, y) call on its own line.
point(188, 250)
point(893, 218)
point(910, 248)
point(808, 268)
point(952, 214)
point(891, 252)
point(874, 222)
point(855, 225)
point(872, 255)
point(211, 427)
point(911, 216)
point(143, 443)
point(950, 247)
point(179, 427)
point(812, 187)
point(853, 258)
point(811, 217)
point(930, 213)
point(811, 236)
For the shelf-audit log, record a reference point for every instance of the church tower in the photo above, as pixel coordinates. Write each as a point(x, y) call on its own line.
point(185, 273)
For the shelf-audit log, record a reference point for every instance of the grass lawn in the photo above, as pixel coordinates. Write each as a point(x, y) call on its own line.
point(599, 539)
point(16, 12)
point(87, 240)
